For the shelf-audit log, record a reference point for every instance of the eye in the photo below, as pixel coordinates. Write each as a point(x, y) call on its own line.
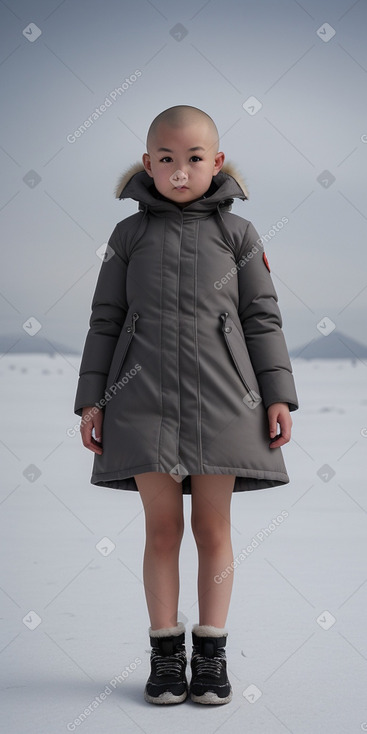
point(166, 158)
point(197, 158)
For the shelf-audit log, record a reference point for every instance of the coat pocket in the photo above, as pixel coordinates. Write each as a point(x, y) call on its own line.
point(122, 347)
point(238, 351)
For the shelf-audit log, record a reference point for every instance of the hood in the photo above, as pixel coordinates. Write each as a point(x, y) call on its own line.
point(136, 184)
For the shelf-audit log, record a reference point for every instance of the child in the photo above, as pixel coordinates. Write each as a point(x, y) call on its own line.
point(185, 375)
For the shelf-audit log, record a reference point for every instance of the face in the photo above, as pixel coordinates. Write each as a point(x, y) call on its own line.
point(182, 162)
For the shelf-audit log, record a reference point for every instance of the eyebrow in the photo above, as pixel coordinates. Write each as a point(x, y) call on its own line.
point(167, 150)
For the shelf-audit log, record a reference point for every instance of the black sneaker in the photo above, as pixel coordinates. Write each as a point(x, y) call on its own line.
point(209, 681)
point(167, 681)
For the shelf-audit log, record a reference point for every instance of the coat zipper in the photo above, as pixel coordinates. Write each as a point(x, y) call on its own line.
point(226, 330)
point(131, 330)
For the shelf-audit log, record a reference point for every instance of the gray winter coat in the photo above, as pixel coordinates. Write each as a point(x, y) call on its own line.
point(185, 350)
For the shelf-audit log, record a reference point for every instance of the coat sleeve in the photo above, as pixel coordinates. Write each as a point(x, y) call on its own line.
point(262, 324)
point(109, 309)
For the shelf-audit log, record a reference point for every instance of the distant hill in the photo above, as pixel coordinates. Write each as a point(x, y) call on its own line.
point(334, 346)
point(24, 344)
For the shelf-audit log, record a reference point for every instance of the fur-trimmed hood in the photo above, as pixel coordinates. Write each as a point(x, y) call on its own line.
point(136, 184)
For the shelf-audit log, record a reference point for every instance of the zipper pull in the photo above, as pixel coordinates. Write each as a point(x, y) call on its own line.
point(224, 319)
point(135, 316)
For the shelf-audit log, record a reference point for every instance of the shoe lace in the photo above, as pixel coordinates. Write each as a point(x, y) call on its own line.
point(168, 664)
point(211, 666)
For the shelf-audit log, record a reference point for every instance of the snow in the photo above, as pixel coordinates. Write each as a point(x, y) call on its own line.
point(298, 674)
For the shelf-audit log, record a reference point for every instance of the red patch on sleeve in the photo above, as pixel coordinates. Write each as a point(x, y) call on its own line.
point(266, 261)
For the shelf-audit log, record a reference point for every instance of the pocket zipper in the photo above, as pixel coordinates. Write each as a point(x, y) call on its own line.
point(131, 330)
point(134, 318)
point(226, 330)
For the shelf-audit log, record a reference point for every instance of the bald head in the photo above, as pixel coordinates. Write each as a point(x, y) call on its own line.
point(183, 155)
point(182, 116)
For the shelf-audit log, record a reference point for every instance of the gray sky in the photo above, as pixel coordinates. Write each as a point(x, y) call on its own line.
point(212, 55)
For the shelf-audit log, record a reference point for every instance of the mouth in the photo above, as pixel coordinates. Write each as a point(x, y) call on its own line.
point(181, 188)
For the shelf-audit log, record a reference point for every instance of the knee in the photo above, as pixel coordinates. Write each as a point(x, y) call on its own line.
point(165, 536)
point(210, 535)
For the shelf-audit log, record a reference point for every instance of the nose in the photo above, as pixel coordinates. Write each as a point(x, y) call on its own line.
point(179, 178)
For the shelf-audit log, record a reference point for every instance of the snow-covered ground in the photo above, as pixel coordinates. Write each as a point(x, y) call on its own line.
point(74, 620)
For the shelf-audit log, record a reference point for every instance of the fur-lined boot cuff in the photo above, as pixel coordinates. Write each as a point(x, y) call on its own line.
point(168, 631)
point(207, 630)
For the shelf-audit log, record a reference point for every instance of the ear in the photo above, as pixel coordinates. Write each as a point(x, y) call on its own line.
point(147, 164)
point(218, 163)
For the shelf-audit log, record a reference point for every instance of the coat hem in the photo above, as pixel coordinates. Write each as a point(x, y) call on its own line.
point(246, 479)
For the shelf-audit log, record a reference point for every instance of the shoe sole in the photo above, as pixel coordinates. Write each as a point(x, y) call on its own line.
point(165, 698)
point(211, 698)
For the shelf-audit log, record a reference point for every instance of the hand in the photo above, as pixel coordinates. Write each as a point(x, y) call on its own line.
point(279, 413)
point(92, 417)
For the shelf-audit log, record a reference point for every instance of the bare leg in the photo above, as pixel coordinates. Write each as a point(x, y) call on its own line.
point(164, 524)
point(210, 519)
